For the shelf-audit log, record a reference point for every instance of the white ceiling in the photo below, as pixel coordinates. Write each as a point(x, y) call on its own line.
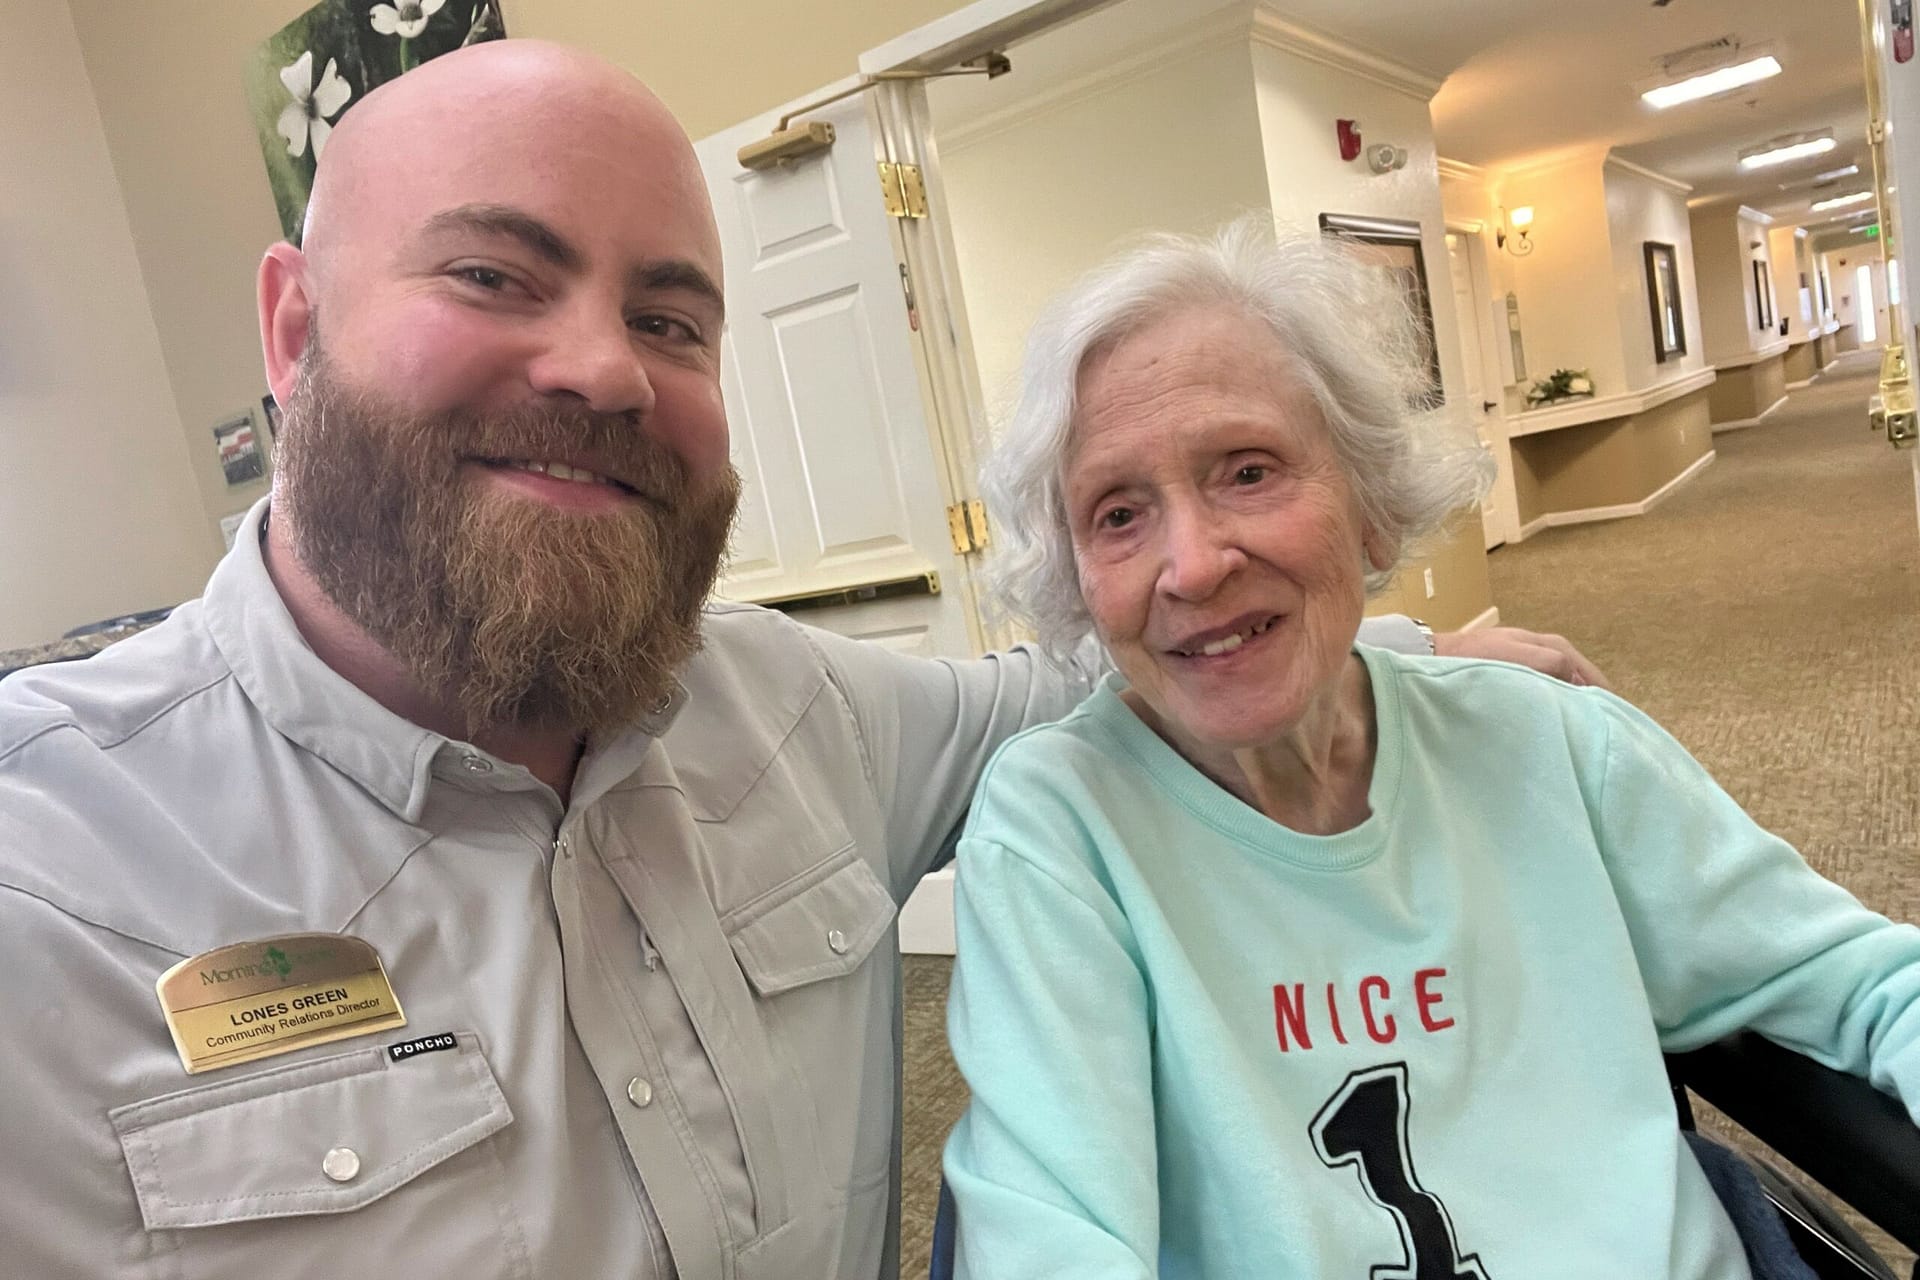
point(1522, 81)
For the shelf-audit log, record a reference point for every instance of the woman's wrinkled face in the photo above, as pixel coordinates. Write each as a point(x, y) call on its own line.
point(1220, 549)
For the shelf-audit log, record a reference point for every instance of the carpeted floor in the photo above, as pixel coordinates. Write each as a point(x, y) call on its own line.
point(1768, 615)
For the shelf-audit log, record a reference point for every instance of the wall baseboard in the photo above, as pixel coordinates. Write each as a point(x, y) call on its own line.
point(1741, 424)
point(1804, 382)
point(1590, 515)
point(1490, 617)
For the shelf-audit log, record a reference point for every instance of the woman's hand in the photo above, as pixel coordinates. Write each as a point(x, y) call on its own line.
point(1549, 654)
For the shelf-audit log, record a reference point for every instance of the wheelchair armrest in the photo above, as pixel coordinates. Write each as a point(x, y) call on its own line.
point(1839, 1130)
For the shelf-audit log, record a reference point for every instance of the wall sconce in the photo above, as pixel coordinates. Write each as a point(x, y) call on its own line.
point(1516, 242)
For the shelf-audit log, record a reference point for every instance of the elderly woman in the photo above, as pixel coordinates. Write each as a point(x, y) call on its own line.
point(1286, 957)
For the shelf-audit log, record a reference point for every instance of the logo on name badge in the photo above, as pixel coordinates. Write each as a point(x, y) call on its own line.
point(255, 999)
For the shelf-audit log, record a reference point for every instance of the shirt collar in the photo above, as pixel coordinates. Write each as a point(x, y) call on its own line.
point(313, 705)
point(301, 696)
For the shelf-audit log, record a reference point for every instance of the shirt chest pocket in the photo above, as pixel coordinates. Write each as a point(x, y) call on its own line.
point(361, 1160)
point(807, 950)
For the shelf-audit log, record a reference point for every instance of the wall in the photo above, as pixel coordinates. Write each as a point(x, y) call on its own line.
point(1742, 394)
point(98, 513)
point(1724, 236)
point(1617, 462)
point(1206, 161)
point(1568, 279)
point(1222, 128)
point(1787, 246)
point(1305, 177)
point(1843, 271)
point(168, 80)
point(1642, 208)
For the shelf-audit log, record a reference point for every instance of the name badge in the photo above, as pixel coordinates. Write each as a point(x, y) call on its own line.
point(255, 999)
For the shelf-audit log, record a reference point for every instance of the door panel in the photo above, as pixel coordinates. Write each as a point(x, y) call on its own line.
point(1498, 518)
point(822, 389)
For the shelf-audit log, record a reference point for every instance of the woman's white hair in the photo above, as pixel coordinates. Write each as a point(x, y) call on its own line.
point(1351, 342)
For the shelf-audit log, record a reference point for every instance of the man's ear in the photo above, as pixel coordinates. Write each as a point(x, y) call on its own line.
point(286, 315)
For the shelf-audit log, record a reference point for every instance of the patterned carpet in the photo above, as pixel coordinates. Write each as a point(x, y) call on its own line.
point(1768, 614)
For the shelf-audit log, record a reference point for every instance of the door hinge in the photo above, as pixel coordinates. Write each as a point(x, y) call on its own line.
point(967, 523)
point(903, 190)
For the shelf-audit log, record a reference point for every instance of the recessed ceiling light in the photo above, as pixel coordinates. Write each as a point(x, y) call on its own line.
point(1782, 150)
point(1712, 82)
point(1856, 197)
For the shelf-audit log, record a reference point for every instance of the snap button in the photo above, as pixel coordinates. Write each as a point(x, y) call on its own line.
point(838, 941)
point(639, 1092)
point(342, 1164)
point(477, 764)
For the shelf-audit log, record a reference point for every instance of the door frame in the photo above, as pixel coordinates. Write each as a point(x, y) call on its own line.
point(1493, 383)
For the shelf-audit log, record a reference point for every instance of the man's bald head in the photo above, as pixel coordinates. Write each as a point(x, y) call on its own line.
point(490, 110)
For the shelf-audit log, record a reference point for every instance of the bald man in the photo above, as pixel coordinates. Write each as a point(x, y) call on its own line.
point(446, 892)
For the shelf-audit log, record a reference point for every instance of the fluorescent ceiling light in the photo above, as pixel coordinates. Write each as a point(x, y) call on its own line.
point(1705, 86)
point(1831, 174)
point(1782, 152)
point(1820, 206)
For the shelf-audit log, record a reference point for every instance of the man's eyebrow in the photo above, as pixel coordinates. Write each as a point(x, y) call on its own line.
point(676, 273)
point(503, 220)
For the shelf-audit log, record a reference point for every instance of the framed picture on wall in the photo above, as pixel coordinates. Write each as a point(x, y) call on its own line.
point(1394, 246)
point(1663, 300)
point(1762, 297)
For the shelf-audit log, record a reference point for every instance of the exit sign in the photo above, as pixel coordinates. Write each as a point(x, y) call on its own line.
point(1873, 231)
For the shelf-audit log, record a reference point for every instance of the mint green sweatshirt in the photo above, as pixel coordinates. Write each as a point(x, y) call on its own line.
point(1203, 1045)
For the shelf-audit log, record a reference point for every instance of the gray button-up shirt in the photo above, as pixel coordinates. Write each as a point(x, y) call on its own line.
point(674, 1002)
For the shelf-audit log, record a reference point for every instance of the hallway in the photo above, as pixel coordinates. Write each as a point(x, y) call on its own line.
point(1768, 615)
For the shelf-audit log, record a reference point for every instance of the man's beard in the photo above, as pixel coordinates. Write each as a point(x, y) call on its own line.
point(516, 614)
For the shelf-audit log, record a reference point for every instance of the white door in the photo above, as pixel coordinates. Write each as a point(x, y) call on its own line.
point(1497, 515)
point(1865, 329)
point(823, 395)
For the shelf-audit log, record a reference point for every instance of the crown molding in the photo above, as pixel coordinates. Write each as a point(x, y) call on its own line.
point(1290, 36)
point(1561, 159)
point(1654, 176)
point(1461, 171)
point(1754, 215)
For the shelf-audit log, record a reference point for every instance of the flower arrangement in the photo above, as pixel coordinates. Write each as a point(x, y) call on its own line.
point(1565, 384)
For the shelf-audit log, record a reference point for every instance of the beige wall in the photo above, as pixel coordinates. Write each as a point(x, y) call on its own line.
point(1305, 177)
point(98, 513)
point(1611, 463)
point(1223, 128)
point(168, 80)
point(1567, 281)
point(1462, 591)
point(1742, 394)
point(1190, 123)
point(1788, 248)
point(1640, 209)
point(1724, 237)
point(1800, 362)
